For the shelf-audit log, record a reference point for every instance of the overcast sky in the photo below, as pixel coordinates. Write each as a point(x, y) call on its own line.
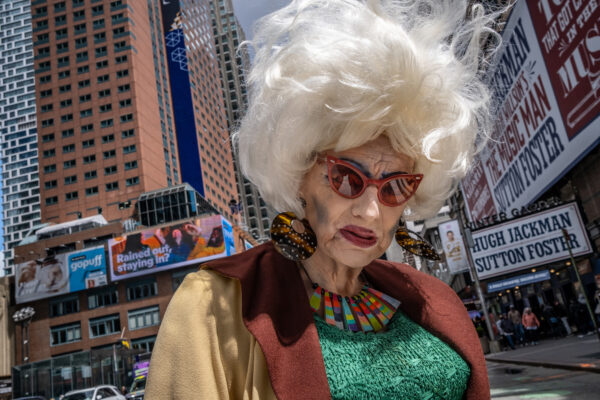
point(248, 11)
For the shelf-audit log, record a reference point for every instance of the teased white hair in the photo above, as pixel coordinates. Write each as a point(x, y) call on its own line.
point(335, 74)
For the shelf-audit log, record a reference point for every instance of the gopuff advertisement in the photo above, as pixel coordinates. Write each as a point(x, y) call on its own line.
point(170, 246)
point(60, 274)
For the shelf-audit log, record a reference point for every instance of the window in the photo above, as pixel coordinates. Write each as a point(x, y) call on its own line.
point(69, 148)
point(68, 133)
point(43, 52)
point(107, 123)
point(83, 83)
point(89, 159)
point(83, 69)
point(49, 168)
point(122, 73)
point(144, 345)
point(102, 64)
point(66, 103)
point(125, 103)
point(79, 28)
point(91, 191)
point(120, 59)
point(88, 143)
point(85, 113)
point(105, 108)
point(127, 133)
point(51, 200)
point(45, 79)
point(98, 9)
point(132, 181)
point(141, 289)
point(50, 184)
point(85, 98)
point(112, 186)
point(71, 196)
point(62, 61)
point(60, 20)
point(78, 15)
point(65, 334)
point(124, 88)
point(143, 317)
point(64, 88)
point(44, 66)
point(69, 164)
point(126, 118)
point(130, 165)
point(48, 138)
point(90, 175)
point(62, 47)
point(103, 78)
point(80, 42)
point(110, 170)
point(66, 118)
point(108, 138)
point(102, 326)
point(46, 107)
point(99, 23)
point(179, 276)
point(70, 179)
point(49, 153)
point(64, 74)
point(101, 51)
point(64, 306)
point(99, 37)
point(129, 149)
point(104, 93)
point(81, 56)
point(106, 297)
point(46, 93)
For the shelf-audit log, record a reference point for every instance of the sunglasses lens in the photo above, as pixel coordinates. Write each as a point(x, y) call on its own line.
point(346, 181)
point(398, 191)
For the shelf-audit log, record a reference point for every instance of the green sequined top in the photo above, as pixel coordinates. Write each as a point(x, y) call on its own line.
point(404, 362)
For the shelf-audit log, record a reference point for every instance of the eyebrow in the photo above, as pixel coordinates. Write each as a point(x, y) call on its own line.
point(367, 173)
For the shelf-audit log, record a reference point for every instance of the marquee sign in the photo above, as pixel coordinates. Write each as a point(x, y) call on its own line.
point(529, 241)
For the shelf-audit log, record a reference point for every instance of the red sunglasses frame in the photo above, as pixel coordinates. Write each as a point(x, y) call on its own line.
point(332, 161)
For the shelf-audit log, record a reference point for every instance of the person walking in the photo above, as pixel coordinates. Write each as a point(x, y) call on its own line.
point(508, 330)
point(515, 317)
point(531, 325)
point(552, 321)
point(561, 313)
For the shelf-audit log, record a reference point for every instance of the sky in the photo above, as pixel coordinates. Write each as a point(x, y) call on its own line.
point(248, 11)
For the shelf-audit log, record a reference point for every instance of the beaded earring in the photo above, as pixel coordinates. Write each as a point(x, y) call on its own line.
point(293, 238)
point(415, 244)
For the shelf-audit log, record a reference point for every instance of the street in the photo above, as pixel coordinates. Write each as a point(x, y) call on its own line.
point(511, 382)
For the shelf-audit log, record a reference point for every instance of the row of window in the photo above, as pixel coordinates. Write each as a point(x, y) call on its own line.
point(70, 148)
point(92, 191)
point(82, 69)
point(46, 123)
point(43, 79)
point(105, 325)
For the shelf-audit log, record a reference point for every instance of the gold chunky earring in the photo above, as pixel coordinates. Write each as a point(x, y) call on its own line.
point(415, 244)
point(293, 238)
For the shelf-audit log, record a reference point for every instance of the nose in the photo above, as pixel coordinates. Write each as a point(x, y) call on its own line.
point(367, 205)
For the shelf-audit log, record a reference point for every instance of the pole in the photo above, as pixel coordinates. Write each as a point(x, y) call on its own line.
point(587, 303)
point(494, 346)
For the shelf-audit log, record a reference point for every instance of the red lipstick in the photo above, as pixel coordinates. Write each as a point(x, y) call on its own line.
point(359, 236)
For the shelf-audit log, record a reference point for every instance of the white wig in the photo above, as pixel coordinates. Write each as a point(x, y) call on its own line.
point(335, 74)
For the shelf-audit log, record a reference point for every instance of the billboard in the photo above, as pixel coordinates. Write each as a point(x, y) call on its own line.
point(544, 81)
point(529, 241)
point(60, 274)
point(454, 246)
point(170, 246)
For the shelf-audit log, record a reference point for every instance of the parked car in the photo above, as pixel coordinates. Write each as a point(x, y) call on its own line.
point(102, 392)
point(138, 387)
point(31, 398)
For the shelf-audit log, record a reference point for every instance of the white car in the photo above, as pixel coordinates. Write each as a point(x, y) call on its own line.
point(102, 392)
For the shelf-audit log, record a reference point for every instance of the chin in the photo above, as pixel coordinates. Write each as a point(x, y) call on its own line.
point(355, 258)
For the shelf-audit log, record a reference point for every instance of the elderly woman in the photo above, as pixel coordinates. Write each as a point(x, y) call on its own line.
point(361, 113)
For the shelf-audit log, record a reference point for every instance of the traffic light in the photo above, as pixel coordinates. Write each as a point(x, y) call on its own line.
point(125, 343)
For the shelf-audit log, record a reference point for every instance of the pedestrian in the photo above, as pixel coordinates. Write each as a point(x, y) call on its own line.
point(515, 317)
point(580, 315)
point(531, 325)
point(353, 106)
point(508, 330)
point(552, 321)
point(561, 312)
point(597, 310)
point(123, 390)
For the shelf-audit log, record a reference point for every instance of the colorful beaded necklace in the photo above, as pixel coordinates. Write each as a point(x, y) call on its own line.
point(372, 308)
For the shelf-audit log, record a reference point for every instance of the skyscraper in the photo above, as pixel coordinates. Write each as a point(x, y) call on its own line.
point(233, 63)
point(202, 135)
point(106, 131)
point(20, 185)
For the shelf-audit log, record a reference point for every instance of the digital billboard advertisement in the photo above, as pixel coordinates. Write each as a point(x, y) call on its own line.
point(170, 246)
point(546, 82)
point(60, 274)
point(529, 241)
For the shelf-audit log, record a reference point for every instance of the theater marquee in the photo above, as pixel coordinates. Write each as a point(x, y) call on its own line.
point(529, 241)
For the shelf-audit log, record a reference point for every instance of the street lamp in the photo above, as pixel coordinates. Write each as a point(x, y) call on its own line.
point(24, 317)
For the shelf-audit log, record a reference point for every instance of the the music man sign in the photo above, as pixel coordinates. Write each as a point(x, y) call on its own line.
point(529, 241)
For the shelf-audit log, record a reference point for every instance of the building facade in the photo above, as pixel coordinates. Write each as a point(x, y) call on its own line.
point(99, 107)
point(18, 131)
point(234, 62)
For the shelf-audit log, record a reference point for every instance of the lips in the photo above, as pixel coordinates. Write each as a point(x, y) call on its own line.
point(359, 236)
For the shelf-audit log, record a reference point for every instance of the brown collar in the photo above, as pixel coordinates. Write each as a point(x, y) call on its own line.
point(287, 335)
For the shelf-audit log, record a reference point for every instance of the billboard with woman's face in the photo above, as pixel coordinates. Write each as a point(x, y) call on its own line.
point(60, 274)
point(170, 246)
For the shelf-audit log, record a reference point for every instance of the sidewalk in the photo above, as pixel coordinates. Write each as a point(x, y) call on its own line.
point(569, 353)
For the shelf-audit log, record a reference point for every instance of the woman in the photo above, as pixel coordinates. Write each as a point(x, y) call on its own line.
point(531, 325)
point(354, 105)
